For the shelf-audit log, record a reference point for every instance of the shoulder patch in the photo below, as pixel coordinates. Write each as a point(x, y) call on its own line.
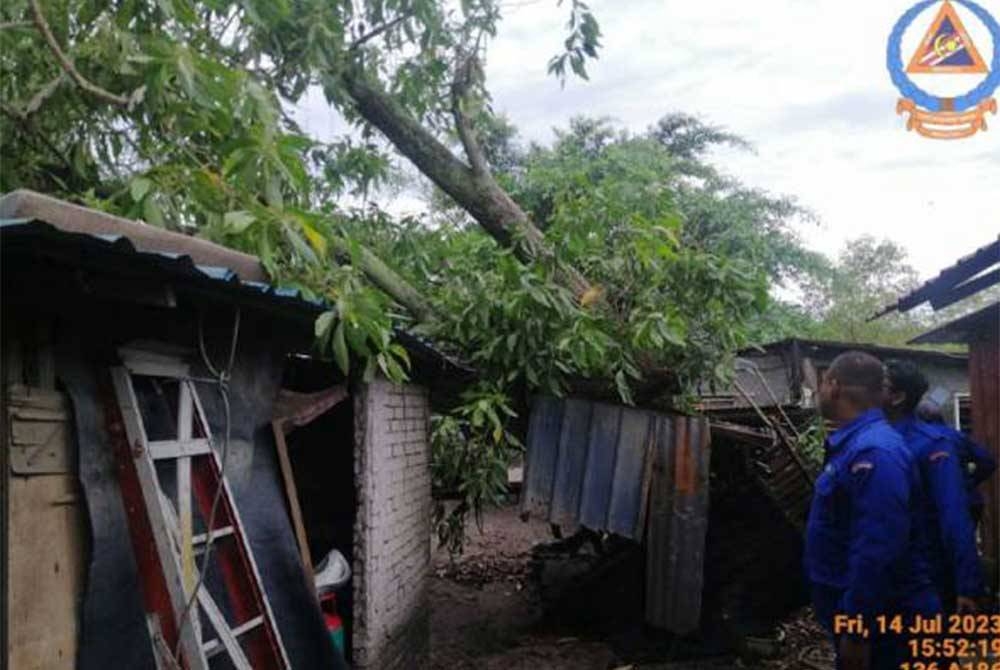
point(938, 456)
point(862, 466)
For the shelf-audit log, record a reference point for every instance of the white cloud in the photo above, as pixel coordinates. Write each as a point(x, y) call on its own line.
point(804, 81)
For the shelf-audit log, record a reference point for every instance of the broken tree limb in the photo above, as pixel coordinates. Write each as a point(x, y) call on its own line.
point(477, 193)
point(460, 100)
point(385, 278)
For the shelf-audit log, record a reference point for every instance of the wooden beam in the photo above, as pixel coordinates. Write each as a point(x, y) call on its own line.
point(291, 492)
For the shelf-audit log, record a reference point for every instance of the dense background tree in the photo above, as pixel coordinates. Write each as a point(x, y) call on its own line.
point(868, 275)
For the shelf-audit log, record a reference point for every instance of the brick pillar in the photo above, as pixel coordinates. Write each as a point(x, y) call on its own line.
point(392, 531)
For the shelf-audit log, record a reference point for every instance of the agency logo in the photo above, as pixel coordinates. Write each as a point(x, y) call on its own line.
point(953, 67)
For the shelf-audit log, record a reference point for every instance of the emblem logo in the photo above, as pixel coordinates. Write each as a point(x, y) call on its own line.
point(946, 60)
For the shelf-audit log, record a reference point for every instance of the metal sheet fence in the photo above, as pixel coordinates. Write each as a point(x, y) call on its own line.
point(612, 468)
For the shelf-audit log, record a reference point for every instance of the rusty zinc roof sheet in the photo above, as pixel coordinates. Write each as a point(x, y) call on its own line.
point(639, 474)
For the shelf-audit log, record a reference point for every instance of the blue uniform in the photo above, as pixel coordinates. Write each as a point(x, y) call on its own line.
point(954, 560)
point(977, 463)
point(865, 554)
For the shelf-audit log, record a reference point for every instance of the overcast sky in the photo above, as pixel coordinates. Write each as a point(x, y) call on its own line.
point(804, 80)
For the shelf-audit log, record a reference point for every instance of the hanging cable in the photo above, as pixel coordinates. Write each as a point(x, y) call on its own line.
point(221, 377)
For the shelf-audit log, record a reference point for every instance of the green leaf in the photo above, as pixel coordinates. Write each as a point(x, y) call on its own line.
point(314, 237)
point(152, 213)
point(238, 221)
point(139, 187)
point(340, 354)
point(323, 324)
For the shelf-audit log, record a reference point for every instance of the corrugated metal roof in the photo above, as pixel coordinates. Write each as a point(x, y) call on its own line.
point(966, 277)
point(70, 218)
point(609, 468)
point(176, 264)
point(966, 329)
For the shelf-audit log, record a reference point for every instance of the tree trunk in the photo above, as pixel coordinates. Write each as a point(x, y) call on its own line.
point(476, 192)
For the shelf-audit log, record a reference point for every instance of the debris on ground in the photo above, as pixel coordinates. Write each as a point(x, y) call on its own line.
point(501, 605)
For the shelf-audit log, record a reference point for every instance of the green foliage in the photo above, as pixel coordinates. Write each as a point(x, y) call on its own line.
point(582, 43)
point(868, 275)
point(676, 294)
point(471, 447)
point(810, 443)
point(175, 112)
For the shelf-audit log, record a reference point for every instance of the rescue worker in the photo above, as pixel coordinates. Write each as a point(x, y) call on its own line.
point(978, 464)
point(865, 554)
point(954, 559)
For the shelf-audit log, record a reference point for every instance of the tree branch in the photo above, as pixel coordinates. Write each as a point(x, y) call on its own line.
point(378, 30)
point(478, 194)
point(4, 25)
point(67, 65)
point(32, 131)
point(385, 278)
point(460, 98)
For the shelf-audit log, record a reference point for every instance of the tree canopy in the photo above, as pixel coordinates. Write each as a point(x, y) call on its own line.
point(622, 261)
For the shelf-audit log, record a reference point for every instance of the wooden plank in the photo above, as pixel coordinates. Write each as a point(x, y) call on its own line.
point(39, 441)
point(185, 521)
point(214, 647)
point(46, 564)
point(201, 539)
point(153, 364)
point(38, 399)
point(46, 360)
point(984, 390)
point(170, 449)
point(226, 636)
point(292, 496)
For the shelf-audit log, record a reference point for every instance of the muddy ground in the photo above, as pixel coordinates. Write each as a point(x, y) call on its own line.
point(486, 614)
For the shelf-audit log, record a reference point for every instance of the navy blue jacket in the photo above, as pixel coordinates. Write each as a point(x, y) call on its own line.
point(978, 464)
point(954, 559)
point(862, 539)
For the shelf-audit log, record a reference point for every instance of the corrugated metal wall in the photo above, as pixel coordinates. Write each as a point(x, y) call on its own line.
point(609, 468)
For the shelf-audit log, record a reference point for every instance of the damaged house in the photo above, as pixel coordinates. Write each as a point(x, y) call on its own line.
point(175, 460)
point(715, 503)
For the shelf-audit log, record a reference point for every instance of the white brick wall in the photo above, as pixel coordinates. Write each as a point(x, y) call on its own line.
point(391, 534)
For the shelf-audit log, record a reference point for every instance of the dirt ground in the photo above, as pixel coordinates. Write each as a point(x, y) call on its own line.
point(486, 614)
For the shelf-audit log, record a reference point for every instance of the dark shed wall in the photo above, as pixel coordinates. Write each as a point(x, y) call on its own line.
point(88, 332)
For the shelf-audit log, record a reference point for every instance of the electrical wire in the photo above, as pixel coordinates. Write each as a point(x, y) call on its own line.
point(221, 378)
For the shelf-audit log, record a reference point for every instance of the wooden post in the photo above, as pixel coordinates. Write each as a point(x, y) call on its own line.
point(294, 509)
point(984, 379)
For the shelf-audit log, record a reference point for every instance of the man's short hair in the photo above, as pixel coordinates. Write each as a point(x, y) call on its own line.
point(861, 377)
point(906, 377)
